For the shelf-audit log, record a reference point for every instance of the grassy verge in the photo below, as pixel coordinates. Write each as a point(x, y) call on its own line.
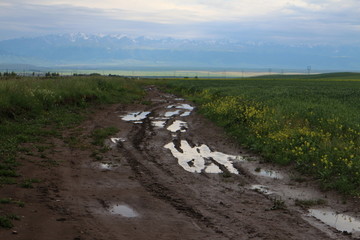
point(32, 109)
point(313, 123)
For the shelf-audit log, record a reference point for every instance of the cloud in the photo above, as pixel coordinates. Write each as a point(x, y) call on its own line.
point(281, 20)
point(176, 11)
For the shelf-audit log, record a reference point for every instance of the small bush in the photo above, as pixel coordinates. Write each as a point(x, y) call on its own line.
point(5, 222)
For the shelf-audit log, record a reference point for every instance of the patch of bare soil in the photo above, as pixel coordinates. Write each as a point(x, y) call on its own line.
point(168, 174)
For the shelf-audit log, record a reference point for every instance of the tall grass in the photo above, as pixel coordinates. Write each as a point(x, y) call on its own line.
point(314, 124)
point(35, 107)
point(29, 96)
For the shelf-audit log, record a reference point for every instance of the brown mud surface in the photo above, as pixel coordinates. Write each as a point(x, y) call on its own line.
point(137, 189)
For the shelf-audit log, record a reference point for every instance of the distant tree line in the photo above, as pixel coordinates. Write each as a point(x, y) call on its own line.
point(49, 74)
point(8, 75)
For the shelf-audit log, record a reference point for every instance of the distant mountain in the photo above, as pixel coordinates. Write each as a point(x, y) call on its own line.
point(119, 51)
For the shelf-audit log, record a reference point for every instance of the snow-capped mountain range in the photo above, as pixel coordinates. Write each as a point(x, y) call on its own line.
point(117, 51)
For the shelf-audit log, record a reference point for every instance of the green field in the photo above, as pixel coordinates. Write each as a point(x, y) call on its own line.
point(312, 122)
point(309, 121)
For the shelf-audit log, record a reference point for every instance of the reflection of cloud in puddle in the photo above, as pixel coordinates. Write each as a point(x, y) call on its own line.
point(269, 173)
point(212, 168)
point(261, 189)
point(185, 114)
point(178, 126)
point(123, 210)
point(116, 140)
point(135, 116)
point(184, 106)
point(159, 124)
point(196, 159)
point(341, 222)
point(170, 114)
point(105, 166)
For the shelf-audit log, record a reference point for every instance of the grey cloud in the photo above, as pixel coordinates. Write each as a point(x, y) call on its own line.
point(45, 19)
point(301, 27)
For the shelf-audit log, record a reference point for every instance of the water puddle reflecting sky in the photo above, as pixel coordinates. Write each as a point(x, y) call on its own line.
point(184, 106)
point(268, 173)
point(261, 188)
point(135, 116)
point(201, 158)
point(171, 114)
point(341, 222)
point(178, 126)
point(105, 166)
point(123, 210)
point(185, 114)
point(188, 109)
point(116, 140)
point(158, 124)
point(213, 168)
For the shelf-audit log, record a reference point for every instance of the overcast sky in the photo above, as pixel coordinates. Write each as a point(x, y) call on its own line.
point(285, 21)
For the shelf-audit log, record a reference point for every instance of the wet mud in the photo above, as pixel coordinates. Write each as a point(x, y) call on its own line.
point(123, 210)
point(171, 174)
point(196, 157)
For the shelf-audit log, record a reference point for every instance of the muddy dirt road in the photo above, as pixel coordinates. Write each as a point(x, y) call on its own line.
point(169, 174)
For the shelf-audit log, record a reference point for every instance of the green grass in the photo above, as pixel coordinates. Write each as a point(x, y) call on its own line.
point(99, 135)
point(11, 201)
point(6, 219)
point(28, 183)
point(5, 222)
point(311, 121)
point(348, 76)
point(278, 204)
point(309, 203)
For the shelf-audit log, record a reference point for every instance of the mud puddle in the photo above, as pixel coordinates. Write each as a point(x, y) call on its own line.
point(172, 114)
point(268, 173)
point(116, 140)
point(183, 110)
point(135, 116)
point(278, 184)
point(158, 123)
point(123, 210)
point(105, 165)
point(200, 158)
point(178, 125)
point(339, 221)
point(184, 106)
point(185, 114)
point(261, 189)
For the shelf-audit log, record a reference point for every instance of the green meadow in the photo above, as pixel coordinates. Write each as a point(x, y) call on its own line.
point(311, 122)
